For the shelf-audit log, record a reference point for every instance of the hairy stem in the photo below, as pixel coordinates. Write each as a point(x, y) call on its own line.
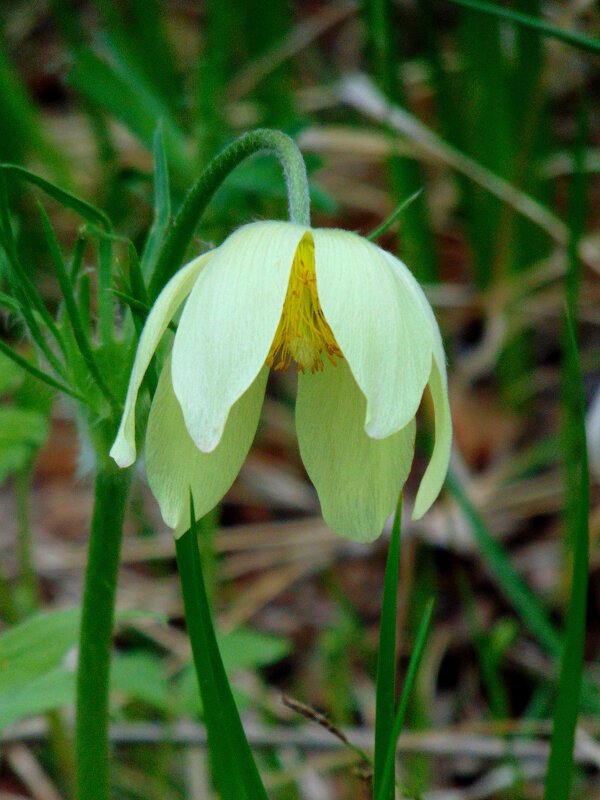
point(184, 224)
point(95, 639)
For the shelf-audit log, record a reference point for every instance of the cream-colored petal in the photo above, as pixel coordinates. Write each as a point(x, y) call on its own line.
point(404, 274)
point(167, 303)
point(437, 469)
point(175, 465)
point(435, 474)
point(358, 478)
point(228, 324)
point(379, 324)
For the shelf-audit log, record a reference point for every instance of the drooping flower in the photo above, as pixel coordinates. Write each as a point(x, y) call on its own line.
point(364, 339)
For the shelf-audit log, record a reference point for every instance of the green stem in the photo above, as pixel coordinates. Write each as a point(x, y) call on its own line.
point(95, 642)
point(386, 659)
point(184, 224)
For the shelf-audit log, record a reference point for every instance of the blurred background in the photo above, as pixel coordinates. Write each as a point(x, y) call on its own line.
point(496, 129)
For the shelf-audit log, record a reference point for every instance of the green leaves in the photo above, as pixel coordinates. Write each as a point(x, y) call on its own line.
point(36, 647)
point(36, 674)
point(234, 772)
point(566, 710)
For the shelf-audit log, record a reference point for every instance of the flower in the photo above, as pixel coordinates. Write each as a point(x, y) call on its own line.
point(365, 342)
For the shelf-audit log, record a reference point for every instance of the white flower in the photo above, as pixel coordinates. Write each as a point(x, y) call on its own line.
point(365, 342)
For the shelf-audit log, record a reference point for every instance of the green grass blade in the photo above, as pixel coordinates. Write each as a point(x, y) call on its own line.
point(530, 610)
point(568, 37)
point(24, 289)
point(77, 259)
point(37, 373)
point(85, 301)
point(106, 321)
point(9, 303)
point(560, 766)
point(22, 127)
point(234, 771)
point(570, 410)
point(138, 29)
point(386, 660)
point(406, 175)
point(387, 782)
point(118, 89)
point(136, 279)
point(378, 232)
point(577, 502)
point(80, 334)
point(162, 206)
point(488, 657)
point(66, 199)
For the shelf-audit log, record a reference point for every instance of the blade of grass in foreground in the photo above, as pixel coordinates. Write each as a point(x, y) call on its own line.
point(233, 768)
point(386, 660)
point(560, 765)
point(387, 781)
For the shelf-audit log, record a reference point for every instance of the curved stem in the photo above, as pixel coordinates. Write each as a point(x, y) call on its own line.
point(95, 638)
point(198, 197)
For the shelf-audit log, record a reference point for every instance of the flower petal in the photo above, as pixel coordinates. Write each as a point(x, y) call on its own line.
point(167, 303)
point(358, 478)
point(175, 465)
point(403, 273)
point(228, 324)
point(379, 325)
point(437, 469)
point(435, 474)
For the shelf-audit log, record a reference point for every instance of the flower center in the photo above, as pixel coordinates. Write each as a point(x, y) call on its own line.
point(303, 334)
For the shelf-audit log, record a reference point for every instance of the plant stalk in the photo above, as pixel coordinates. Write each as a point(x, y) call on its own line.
point(201, 193)
point(95, 638)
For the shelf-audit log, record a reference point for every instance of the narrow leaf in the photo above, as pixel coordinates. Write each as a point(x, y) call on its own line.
point(530, 610)
point(577, 506)
point(386, 660)
point(560, 766)
point(378, 232)
point(24, 290)
point(81, 337)
point(77, 260)
point(234, 770)
point(568, 37)
point(387, 782)
point(66, 199)
point(162, 205)
point(37, 373)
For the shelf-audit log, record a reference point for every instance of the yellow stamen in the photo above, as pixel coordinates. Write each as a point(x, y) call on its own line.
point(303, 334)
